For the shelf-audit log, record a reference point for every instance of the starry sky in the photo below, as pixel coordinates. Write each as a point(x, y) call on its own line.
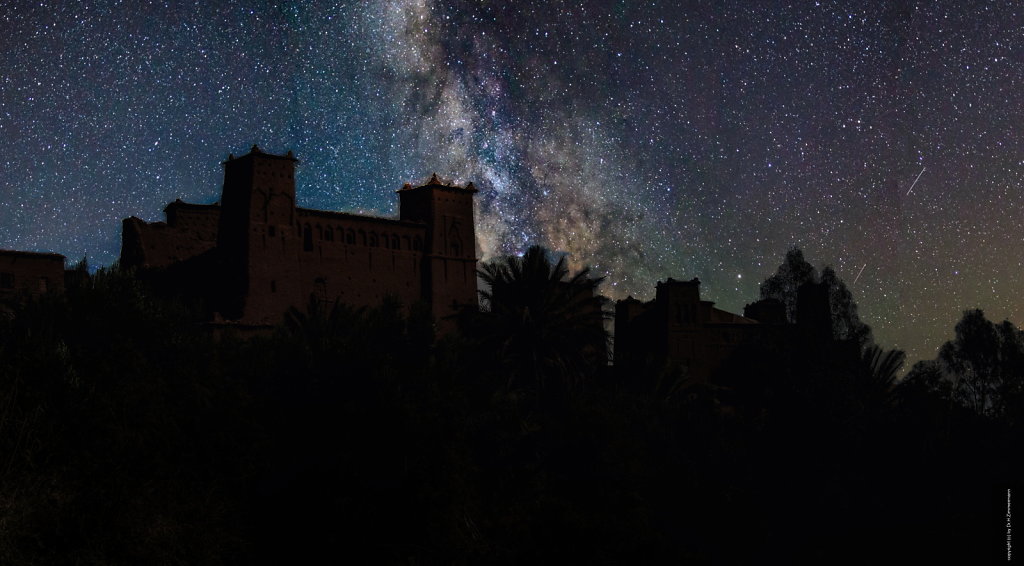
point(648, 139)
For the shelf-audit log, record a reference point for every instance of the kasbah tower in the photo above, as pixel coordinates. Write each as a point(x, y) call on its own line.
point(256, 253)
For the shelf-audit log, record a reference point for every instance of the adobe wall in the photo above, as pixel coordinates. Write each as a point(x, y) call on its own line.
point(681, 328)
point(376, 258)
point(705, 347)
point(30, 273)
point(189, 231)
point(357, 260)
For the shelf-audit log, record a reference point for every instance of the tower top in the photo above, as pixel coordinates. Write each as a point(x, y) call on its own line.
point(692, 282)
point(436, 183)
point(255, 150)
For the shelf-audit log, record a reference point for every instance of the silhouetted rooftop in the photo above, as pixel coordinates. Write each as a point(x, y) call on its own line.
point(255, 150)
point(32, 254)
point(178, 203)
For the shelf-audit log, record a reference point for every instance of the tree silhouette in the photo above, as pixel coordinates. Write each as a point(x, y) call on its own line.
point(539, 320)
point(783, 286)
point(108, 398)
point(320, 327)
point(794, 272)
point(846, 323)
point(981, 369)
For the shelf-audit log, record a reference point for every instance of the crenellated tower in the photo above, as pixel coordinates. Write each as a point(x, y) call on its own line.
point(257, 235)
point(449, 274)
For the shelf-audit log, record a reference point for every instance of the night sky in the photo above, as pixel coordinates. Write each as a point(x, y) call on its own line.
point(648, 139)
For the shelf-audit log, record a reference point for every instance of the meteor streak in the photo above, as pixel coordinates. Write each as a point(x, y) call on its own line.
point(915, 182)
point(865, 265)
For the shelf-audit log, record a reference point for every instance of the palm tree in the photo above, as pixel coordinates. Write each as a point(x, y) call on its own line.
point(879, 370)
point(322, 328)
point(539, 320)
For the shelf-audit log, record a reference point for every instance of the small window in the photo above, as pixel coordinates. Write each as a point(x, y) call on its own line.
point(6, 280)
point(373, 239)
point(329, 234)
point(320, 287)
point(395, 242)
point(350, 237)
point(417, 244)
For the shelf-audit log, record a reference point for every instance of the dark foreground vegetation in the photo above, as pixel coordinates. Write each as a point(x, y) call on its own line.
point(132, 434)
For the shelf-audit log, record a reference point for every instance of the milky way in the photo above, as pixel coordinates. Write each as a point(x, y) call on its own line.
point(647, 139)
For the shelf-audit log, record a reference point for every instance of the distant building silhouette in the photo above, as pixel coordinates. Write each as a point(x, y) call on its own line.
point(30, 274)
point(256, 253)
point(678, 328)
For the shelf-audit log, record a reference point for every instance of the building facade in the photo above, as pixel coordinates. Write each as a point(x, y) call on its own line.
point(256, 253)
point(678, 328)
point(30, 274)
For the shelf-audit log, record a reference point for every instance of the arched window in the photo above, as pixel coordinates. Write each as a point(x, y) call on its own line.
point(350, 236)
point(408, 243)
point(417, 244)
point(319, 232)
point(456, 247)
point(396, 243)
point(307, 238)
point(362, 237)
point(329, 234)
point(373, 239)
point(384, 241)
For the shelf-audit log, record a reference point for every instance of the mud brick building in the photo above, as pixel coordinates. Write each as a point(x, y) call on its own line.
point(677, 327)
point(30, 274)
point(256, 253)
